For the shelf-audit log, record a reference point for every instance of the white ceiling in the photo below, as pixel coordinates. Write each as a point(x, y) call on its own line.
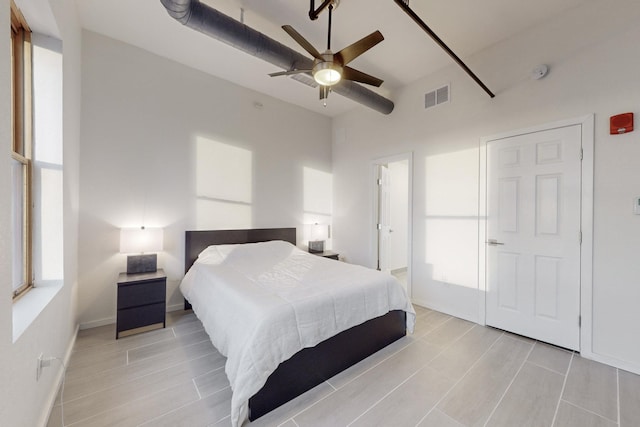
point(406, 54)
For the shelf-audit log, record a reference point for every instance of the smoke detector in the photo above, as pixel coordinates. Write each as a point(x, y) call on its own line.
point(539, 72)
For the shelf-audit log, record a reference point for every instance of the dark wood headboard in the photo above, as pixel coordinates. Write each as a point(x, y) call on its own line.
point(197, 241)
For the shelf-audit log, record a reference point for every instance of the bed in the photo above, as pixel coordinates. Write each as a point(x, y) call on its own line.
point(315, 361)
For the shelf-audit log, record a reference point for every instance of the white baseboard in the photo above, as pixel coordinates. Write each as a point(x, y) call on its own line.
point(611, 361)
point(175, 307)
point(97, 323)
point(53, 393)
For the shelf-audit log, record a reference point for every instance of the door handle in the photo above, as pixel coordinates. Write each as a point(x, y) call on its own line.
point(494, 242)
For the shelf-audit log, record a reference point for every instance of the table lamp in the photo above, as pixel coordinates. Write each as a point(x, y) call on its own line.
point(141, 241)
point(319, 233)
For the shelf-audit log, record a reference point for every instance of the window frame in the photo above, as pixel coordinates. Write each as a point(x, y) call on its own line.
point(21, 135)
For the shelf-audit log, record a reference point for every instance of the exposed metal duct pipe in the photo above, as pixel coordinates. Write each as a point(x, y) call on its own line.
point(221, 27)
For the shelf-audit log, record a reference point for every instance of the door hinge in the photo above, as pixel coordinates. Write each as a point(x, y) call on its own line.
point(379, 227)
point(582, 154)
point(379, 181)
point(580, 237)
point(579, 321)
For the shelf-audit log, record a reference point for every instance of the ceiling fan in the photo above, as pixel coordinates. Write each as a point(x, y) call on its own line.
point(330, 68)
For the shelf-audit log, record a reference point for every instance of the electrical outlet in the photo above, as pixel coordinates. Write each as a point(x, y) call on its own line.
point(39, 367)
point(43, 362)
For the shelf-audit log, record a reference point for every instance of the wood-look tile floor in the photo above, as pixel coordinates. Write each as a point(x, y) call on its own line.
point(449, 373)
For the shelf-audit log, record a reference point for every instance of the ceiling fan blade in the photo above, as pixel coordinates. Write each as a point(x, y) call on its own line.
point(302, 41)
point(356, 49)
point(288, 73)
point(358, 76)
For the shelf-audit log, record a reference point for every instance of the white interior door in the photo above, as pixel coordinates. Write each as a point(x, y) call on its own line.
point(533, 235)
point(384, 226)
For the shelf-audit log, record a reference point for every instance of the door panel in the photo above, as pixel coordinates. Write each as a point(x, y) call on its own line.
point(548, 192)
point(508, 279)
point(508, 208)
point(533, 226)
point(547, 286)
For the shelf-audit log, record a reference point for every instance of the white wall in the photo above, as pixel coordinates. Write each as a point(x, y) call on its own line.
point(172, 147)
point(595, 62)
point(25, 401)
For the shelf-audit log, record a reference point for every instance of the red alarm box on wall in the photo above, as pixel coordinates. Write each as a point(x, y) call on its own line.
point(622, 123)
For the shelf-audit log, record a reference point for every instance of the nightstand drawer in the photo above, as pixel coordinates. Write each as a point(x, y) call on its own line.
point(132, 318)
point(136, 294)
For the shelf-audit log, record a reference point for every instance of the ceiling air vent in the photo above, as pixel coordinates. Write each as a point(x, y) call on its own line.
point(303, 78)
point(437, 96)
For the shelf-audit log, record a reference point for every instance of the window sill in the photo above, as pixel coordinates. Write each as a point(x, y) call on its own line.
point(29, 306)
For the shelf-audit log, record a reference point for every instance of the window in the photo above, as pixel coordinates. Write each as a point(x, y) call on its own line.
point(21, 165)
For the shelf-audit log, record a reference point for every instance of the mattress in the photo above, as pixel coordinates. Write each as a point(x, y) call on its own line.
point(261, 303)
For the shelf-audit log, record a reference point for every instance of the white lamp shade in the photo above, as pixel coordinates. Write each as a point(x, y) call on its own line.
point(140, 240)
point(319, 232)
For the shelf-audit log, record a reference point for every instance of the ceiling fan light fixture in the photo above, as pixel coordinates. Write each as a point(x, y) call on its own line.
point(327, 73)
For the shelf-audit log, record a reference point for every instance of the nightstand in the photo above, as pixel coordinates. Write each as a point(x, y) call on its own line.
point(141, 300)
point(328, 254)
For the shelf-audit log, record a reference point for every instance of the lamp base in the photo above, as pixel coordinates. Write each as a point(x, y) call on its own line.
point(316, 246)
point(142, 263)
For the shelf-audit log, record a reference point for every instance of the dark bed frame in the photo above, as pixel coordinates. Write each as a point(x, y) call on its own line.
point(310, 366)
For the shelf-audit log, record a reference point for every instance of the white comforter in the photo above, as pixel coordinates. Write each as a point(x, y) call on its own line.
point(261, 303)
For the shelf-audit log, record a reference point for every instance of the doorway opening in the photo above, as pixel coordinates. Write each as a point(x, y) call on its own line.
point(392, 213)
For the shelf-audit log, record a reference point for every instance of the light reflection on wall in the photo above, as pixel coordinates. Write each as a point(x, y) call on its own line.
point(47, 159)
point(224, 176)
point(451, 221)
point(318, 199)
